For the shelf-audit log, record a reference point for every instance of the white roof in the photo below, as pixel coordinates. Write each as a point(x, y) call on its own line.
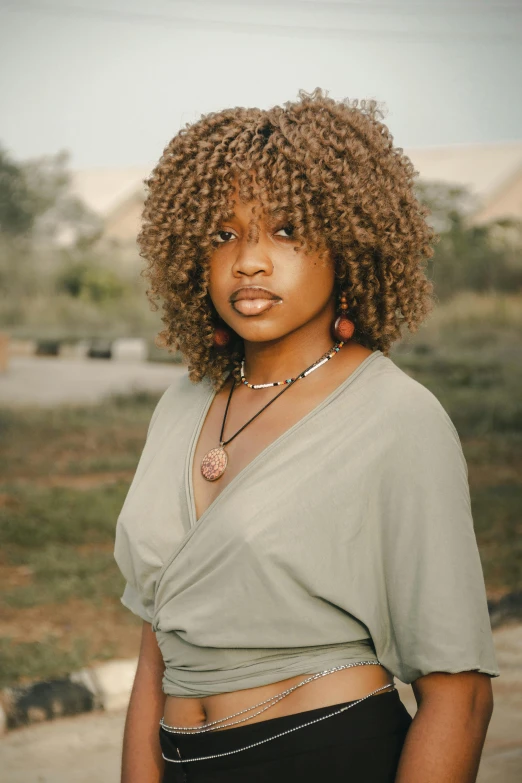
point(103, 190)
point(483, 168)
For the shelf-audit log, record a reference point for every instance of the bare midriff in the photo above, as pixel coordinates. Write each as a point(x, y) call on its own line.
point(335, 688)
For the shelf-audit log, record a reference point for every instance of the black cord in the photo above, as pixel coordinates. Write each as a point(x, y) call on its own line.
point(225, 442)
point(285, 388)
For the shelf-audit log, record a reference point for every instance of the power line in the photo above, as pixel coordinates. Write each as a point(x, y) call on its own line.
point(366, 6)
point(231, 26)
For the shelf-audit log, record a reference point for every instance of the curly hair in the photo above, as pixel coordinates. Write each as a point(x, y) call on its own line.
point(332, 168)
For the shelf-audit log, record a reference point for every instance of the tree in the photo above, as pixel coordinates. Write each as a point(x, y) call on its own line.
point(36, 201)
point(18, 207)
point(482, 258)
point(87, 279)
point(61, 216)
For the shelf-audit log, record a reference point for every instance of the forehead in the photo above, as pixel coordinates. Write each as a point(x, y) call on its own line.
point(248, 203)
point(253, 211)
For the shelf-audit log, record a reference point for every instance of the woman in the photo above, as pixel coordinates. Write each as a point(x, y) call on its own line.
point(298, 531)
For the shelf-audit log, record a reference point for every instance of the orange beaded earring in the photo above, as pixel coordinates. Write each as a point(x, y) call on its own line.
point(221, 337)
point(342, 328)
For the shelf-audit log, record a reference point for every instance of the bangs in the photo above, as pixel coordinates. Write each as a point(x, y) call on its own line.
point(262, 171)
point(326, 168)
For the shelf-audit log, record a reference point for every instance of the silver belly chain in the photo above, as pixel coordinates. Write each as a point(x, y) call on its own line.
point(265, 705)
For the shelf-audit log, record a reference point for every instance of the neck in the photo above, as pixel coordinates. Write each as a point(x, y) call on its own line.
point(286, 357)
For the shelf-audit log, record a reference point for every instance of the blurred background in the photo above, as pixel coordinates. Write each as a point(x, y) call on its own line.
point(90, 94)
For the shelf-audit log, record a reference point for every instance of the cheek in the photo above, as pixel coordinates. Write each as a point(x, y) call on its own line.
point(311, 282)
point(217, 276)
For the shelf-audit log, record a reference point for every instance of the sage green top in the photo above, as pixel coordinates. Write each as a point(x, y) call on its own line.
point(349, 538)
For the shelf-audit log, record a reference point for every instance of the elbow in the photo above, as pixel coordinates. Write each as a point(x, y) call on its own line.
point(468, 694)
point(482, 699)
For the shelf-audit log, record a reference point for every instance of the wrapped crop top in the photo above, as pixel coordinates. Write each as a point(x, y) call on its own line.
point(350, 537)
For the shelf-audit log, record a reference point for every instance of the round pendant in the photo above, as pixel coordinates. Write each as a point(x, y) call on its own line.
point(214, 463)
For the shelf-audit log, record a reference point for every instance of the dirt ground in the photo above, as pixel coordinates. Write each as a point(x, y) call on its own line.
point(87, 748)
point(105, 625)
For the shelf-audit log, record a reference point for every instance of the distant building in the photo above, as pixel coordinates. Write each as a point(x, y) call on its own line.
point(116, 196)
point(491, 172)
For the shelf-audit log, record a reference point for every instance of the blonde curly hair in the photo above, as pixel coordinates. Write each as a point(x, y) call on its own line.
point(346, 190)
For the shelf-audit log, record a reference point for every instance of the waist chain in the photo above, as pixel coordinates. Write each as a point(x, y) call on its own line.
point(265, 705)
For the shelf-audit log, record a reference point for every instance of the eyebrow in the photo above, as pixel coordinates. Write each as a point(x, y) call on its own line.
point(278, 212)
point(273, 214)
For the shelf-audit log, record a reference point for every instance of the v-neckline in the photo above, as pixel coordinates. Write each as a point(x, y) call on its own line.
point(189, 460)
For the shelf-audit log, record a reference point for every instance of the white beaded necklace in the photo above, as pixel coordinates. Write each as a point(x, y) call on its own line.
point(322, 360)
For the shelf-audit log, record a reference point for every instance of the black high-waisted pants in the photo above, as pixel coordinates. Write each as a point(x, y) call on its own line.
point(361, 745)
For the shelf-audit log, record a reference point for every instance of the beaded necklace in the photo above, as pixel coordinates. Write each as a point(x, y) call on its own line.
point(215, 461)
point(324, 358)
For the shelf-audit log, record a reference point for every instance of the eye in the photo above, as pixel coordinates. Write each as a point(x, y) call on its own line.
point(289, 230)
point(219, 237)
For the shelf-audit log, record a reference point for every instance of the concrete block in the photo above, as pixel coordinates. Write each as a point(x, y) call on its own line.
point(19, 347)
point(4, 351)
point(129, 350)
point(113, 683)
point(3, 721)
point(77, 350)
point(87, 678)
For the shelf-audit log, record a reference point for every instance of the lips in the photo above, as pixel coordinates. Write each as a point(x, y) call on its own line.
point(253, 300)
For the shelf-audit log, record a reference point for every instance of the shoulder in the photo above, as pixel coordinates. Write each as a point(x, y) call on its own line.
point(405, 402)
point(423, 438)
point(411, 421)
point(178, 399)
point(182, 389)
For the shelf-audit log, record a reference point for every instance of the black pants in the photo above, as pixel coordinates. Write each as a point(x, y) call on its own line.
point(361, 745)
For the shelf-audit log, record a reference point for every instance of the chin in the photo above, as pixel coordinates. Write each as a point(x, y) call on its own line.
point(262, 336)
point(260, 332)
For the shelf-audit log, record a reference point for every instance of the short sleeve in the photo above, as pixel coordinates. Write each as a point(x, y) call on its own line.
point(132, 600)
point(432, 613)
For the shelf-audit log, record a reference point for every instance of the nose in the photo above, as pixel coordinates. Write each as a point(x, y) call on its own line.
point(252, 257)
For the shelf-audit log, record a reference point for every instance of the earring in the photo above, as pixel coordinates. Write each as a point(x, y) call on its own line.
point(221, 337)
point(343, 328)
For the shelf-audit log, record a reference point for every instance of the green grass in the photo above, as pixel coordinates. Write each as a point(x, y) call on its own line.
point(74, 439)
point(32, 517)
point(481, 394)
point(498, 525)
point(44, 660)
point(56, 541)
point(60, 573)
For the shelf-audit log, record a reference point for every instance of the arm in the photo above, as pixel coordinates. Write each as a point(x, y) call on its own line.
point(432, 599)
point(142, 761)
point(445, 740)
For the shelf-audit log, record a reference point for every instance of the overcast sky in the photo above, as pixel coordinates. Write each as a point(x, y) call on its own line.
point(113, 80)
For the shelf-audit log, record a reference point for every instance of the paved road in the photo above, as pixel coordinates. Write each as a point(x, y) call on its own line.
point(87, 748)
point(48, 381)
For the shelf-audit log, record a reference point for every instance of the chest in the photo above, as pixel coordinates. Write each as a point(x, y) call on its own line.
point(265, 427)
point(307, 474)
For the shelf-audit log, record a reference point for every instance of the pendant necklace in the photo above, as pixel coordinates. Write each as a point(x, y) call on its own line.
point(215, 461)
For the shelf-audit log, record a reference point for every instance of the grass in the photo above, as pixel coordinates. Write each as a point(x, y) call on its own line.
point(45, 659)
point(66, 473)
point(498, 525)
point(469, 354)
point(74, 440)
point(32, 517)
point(59, 573)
